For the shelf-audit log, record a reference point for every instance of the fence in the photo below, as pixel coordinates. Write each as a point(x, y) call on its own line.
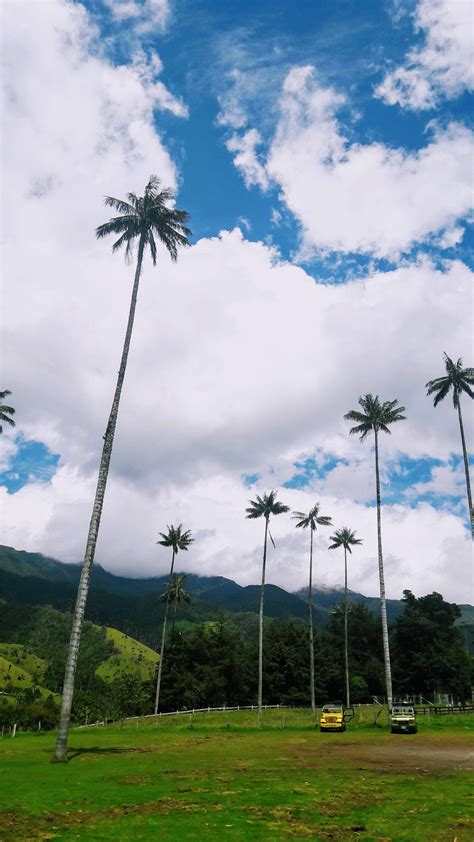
point(192, 711)
point(443, 710)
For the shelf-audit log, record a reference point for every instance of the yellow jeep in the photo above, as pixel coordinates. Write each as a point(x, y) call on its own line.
point(334, 717)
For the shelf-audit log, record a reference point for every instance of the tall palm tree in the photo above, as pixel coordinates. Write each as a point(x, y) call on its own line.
point(177, 540)
point(146, 218)
point(6, 411)
point(175, 594)
point(263, 507)
point(346, 538)
point(374, 418)
point(460, 380)
point(312, 519)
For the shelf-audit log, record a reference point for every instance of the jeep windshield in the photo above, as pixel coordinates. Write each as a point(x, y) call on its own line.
point(332, 710)
point(403, 711)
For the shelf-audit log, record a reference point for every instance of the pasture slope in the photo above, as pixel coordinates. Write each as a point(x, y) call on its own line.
point(216, 777)
point(131, 658)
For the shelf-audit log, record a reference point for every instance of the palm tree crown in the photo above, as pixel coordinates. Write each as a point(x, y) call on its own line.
point(266, 506)
point(175, 592)
point(457, 378)
point(176, 538)
point(375, 416)
point(344, 537)
point(147, 217)
point(313, 519)
point(5, 410)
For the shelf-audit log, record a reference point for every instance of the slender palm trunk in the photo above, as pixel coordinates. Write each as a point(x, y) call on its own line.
point(163, 636)
point(346, 641)
point(311, 628)
point(60, 753)
point(383, 604)
point(174, 617)
point(260, 626)
point(466, 468)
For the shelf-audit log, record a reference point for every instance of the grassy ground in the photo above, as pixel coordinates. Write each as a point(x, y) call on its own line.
point(217, 777)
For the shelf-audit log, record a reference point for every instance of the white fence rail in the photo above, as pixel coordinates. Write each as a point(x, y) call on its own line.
point(192, 711)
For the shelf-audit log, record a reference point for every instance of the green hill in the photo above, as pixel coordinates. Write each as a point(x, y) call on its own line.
point(130, 658)
point(15, 678)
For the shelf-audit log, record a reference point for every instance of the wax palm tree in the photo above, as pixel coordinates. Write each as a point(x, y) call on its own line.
point(263, 507)
point(312, 520)
point(6, 411)
point(177, 540)
point(175, 595)
point(375, 417)
point(346, 538)
point(145, 219)
point(459, 380)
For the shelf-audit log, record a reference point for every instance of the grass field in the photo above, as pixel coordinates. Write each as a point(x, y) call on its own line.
point(215, 776)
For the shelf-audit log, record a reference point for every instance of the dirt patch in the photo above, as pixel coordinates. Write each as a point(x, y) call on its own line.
point(398, 754)
point(22, 828)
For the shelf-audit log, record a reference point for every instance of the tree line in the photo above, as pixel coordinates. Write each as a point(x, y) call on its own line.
point(213, 664)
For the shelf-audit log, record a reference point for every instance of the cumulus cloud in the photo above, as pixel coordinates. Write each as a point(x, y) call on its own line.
point(145, 15)
point(353, 197)
point(245, 158)
point(424, 549)
point(255, 372)
point(441, 66)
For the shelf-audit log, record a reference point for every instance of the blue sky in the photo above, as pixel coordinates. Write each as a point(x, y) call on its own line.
point(337, 136)
point(351, 45)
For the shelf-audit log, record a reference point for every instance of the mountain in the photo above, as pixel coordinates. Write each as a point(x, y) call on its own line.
point(32, 577)
point(325, 599)
point(131, 604)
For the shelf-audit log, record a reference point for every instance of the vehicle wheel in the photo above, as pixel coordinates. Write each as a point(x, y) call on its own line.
point(321, 729)
point(415, 731)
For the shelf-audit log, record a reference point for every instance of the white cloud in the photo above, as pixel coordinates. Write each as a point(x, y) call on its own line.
point(445, 480)
point(424, 549)
point(442, 66)
point(146, 15)
point(245, 158)
point(148, 67)
point(352, 197)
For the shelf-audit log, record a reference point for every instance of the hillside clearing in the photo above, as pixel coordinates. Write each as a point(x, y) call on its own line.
point(131, 658)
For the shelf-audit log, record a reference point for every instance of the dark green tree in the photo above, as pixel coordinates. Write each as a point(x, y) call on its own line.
point(145, 219)
point(177, 540)
point(458, 380)
point(366, 665)
point(345, 538)
point(428, 649)
point(6, 411)
point(376, 417)
point(312, 519)
point(265, 507)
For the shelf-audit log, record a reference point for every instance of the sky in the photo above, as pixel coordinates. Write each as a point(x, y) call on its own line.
point(324, 152)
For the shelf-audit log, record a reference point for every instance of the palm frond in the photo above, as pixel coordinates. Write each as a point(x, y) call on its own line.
point(148, 216)
point(116, 225)
point(265, 506)
point(457, 378)
point(344, 537)
point(124, 208)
